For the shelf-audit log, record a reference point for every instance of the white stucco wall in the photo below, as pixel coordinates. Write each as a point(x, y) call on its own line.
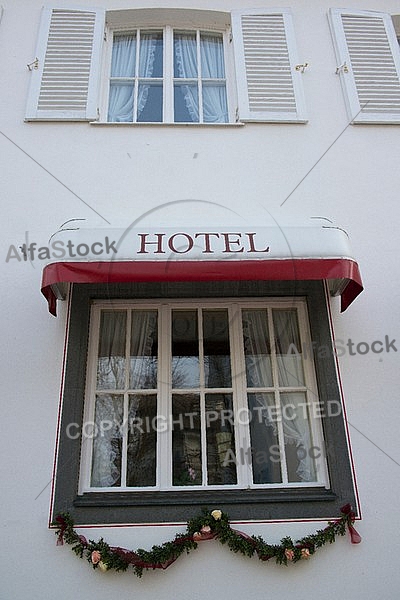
point(248, 172)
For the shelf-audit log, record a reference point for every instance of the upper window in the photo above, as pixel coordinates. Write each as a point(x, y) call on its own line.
point(166, 65)
point(168, 75)
point(193, 395)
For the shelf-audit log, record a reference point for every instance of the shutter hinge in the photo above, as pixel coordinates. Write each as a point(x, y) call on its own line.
point(302, 67)
point(33, 66)
point(342, 68)
point(230, 37)
point(237, 117)
point(105, 35)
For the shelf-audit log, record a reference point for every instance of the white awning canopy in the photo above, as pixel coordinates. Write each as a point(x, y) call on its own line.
point(304, 252)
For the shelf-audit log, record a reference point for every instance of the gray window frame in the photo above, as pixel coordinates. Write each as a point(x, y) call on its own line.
point(179, 506)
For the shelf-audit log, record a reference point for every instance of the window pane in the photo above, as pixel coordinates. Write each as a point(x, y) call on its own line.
point(107, 441)
point(186, 103)
point(221, 459)
point(185, 55)
point(185, 349)
point(111, 353)
point(150, 99)
point(288, 348)
point(257, 349)
point(143, 354)
point(123, 55)
point(212, 56)
point(299, 447)
point(186, 440)
point(215, 108)
point(151, 54)
point(217, 360)
point(264, 451)
point(142, 440)
point(120, 105)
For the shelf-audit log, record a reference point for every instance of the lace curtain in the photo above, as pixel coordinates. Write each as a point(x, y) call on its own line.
point(107, 442)
point(212, 67)
point(123, 75)
point(123, 65)
point(296, 427)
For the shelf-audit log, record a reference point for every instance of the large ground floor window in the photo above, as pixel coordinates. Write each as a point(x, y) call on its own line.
point(201, 394)
point(182, 395)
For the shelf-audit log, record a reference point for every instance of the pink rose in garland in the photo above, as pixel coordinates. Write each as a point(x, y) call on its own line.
point(205, 533)
point(289, 554)
point(95, 557)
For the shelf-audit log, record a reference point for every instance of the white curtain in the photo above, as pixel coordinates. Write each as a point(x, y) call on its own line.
point(212, 67)
point(288, 348)
point(120, 108)
point(143, 368)
point(123, 65)
point(257, 352)
point(111, 357)
point(148, 43)
point(107, 442)
point(296, 428)
point(212, 64)
point(186, 67)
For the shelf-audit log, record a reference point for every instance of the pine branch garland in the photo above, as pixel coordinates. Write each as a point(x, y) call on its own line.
point(208, 525)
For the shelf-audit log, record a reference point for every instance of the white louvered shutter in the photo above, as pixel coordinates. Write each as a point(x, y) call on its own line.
point(269, 86)
point(368, 58)
point(65, 84)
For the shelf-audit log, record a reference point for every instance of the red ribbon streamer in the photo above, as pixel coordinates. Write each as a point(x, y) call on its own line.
point(63, 526)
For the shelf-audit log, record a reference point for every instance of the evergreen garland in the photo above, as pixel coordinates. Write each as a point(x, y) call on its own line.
point(208, 525)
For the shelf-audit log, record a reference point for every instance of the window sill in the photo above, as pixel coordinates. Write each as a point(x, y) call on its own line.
point(203, 497)
point(201, 125)
point(175, 507)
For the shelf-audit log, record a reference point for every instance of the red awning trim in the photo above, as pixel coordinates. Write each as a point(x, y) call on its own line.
point(299, 269)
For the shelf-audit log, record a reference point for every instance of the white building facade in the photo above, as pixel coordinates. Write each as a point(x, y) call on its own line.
point(200, 296)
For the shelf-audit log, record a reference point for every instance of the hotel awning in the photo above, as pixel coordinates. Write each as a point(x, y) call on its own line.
point(296, 253)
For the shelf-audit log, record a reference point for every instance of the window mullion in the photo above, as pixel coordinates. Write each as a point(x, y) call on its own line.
point(203, 419)
point(125, 423)
point(275, 379)
point(199, 77)
point(164, 400)
point(136, 79)
point(168, 83)
point(239, 390)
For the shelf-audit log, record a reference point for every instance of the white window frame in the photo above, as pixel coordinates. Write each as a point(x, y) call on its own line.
point(239, 390)
point(168, 75)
